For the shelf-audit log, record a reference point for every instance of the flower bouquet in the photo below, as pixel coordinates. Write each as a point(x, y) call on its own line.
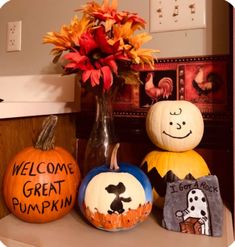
point(102, 48)
point(102, 45)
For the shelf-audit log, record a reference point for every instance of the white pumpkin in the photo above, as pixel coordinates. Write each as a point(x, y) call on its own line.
point(98, 196)
point(115, 197)
point(175, 125)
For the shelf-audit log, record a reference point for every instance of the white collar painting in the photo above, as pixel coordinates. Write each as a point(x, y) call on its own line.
point(232, 2)
point(2, 2)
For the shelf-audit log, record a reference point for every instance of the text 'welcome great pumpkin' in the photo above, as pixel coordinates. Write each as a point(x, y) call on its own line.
point(41, 185)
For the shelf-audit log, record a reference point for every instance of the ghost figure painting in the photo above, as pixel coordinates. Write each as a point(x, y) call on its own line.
point(196, 217)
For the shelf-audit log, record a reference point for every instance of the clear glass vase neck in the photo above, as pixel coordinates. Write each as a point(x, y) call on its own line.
point(104, 109)
point(102, 137)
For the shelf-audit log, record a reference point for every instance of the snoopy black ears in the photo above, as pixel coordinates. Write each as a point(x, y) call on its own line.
point(194, 206)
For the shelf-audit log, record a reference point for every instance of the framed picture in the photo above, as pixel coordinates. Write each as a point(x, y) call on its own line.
point(204, 83)
point(203, 80)
point(200, 80)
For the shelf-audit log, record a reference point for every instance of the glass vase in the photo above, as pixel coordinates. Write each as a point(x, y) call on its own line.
point(102, 137)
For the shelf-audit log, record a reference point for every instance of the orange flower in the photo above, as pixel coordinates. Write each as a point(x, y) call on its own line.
point(105, 12)
point(68, 36)
point(139, 55)
point(109, 15)
point(102, 44)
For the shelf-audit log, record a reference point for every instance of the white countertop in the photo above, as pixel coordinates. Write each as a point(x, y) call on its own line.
point(72, 230)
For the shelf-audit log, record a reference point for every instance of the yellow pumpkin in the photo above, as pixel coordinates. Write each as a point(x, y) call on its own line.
point(175, 125)
point(163, 166)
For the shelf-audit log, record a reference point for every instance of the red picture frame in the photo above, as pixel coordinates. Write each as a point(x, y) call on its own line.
point(132, 103)
point(201, 80)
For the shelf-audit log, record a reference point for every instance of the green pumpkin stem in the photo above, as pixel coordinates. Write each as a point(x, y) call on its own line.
point(46, 138)
point(113, 162)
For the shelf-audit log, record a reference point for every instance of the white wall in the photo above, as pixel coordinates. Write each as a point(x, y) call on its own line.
point(39, 17)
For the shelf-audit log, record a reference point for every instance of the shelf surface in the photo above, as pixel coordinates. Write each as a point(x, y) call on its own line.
point(72, 230)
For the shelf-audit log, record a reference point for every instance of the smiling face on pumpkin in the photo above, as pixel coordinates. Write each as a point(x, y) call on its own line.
point(175, 125)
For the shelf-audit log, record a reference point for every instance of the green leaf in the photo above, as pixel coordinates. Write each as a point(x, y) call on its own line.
point(56, 58)
point(131, 77)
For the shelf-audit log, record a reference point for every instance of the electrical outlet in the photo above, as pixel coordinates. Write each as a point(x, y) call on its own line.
point(174, 15)
point(14, 36)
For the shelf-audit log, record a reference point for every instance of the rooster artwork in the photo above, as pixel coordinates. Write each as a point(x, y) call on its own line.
point(163, 90)
point(206, 83)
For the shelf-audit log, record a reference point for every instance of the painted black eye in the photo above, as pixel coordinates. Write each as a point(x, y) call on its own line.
point(195, 198)
point(171, 123)
point(183, 122)
point(191, 199)
point(203, 213)
point(192, 208)
point(203, 199)
point(193, 192)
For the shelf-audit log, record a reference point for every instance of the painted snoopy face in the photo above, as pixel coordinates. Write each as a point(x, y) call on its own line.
point(175, 125)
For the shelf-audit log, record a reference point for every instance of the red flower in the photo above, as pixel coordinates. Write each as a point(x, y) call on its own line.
point(107, 77)
point(102, 68)
point(101, 40)
point(93, 75)
point(77, 61)
point(87, 43)
point(96, 58)
point(102, 46)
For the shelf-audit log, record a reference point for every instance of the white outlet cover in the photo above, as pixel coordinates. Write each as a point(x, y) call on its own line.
point(169, 15)
point(14, 36)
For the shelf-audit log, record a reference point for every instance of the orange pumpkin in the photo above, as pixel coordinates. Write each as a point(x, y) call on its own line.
point(40, 183)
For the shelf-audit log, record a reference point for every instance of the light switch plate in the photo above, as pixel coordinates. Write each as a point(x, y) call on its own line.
point(174, 15)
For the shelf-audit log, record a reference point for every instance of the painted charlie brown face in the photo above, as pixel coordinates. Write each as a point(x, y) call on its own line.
point(179, 128)
point(175, 125)
point(182, 129)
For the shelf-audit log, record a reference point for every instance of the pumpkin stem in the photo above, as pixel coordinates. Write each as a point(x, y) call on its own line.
point(113, 161)
point(46, 138)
